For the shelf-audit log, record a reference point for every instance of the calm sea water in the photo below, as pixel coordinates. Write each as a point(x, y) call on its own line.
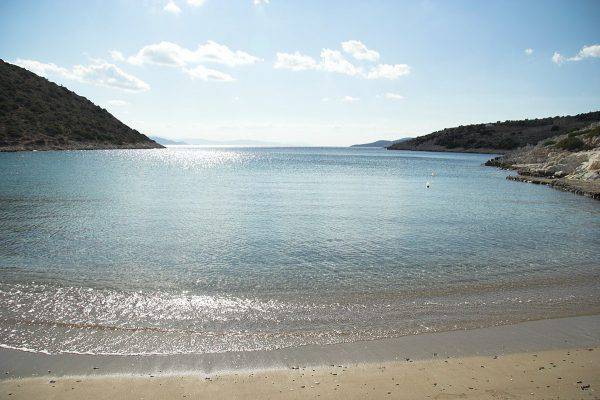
point(195, 250)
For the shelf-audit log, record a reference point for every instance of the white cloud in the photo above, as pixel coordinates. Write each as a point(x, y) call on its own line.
point(118, 103)
point(221, 54)
point(359, 51)
point(116, 55)
point(557, 58)
point(295, 61)
point(393, 96)
point(100, 73)
point(529, 51)
point(259, 2)
point(325, 99)
point(172, 8)
point(387, 71)
point(207, 74)
point(196, 3)
point(171, 54)
point(190, 61)
point(592, 51)
point(334, 61)
point(350, 99)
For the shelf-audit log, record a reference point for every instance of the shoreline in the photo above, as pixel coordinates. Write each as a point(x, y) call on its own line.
point(582, 188)
point(535, 360)
point(556, 374)
point(81, 146)
point(569, 332)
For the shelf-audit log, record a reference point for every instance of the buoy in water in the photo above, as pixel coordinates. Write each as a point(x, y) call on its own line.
point(427, 185)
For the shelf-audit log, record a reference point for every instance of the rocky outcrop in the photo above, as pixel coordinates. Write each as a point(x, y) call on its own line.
point(568, 162)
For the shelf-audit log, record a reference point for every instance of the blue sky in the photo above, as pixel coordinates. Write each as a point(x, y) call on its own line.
point(312, 72)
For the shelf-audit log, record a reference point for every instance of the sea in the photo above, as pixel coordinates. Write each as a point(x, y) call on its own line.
point(195, 250)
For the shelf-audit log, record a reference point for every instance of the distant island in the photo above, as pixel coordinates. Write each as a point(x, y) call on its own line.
point(381, 143)
point(497, 137)
point(36, 114)
point(167, 142)
point(207, 142)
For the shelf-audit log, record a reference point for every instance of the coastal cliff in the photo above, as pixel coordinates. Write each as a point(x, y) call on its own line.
point(36, 114)
point(569, 162)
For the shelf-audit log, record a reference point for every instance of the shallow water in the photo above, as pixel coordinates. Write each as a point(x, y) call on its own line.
point(196, 250)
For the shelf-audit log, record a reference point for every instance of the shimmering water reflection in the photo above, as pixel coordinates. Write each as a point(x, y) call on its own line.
point(194, 250)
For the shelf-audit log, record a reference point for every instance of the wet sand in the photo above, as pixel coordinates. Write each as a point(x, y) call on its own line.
point(552, 374)
point(536, 360)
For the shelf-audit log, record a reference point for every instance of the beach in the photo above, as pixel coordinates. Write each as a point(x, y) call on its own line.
point(560, 374)
point(539, 360)
point(234, 273)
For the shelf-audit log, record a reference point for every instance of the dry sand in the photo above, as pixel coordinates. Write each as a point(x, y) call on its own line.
point(551, 374)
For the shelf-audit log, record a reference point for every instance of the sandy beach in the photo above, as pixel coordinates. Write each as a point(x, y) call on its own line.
point(546, 359)
point(553, 374)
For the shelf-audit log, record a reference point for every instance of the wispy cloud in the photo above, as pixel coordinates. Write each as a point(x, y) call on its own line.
point(116, 55)
point(529, 51)
point(388, 71)
point(334, 61)
point(592, 51)
point(172, 8)
point(259, 2)
point(393, 96)
point(196, 3)
point(350, 99)
point(207, 74)
point(100, 73)
point(295, 61)
point(359, 51)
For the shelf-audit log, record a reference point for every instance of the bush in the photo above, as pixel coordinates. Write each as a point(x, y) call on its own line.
point(508, 144)
point(571, 144)
point(555, 128)
point(549, 142)
point(593, 132)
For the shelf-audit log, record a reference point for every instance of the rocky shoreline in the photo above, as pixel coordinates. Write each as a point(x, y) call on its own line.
point(578, 187)
point(569, 162)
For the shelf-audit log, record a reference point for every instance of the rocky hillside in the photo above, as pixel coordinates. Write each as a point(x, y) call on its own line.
point(569, 162)
point(36, 114)
point(498, 137)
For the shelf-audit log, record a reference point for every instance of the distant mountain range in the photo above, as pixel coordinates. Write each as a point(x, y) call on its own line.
point(165, 141)
point(381, 143)
point(36, 114)
point(206, 142)
point(498, 137)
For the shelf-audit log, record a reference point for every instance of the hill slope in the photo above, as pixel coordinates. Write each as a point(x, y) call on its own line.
point(498, 137)
point(36, 114)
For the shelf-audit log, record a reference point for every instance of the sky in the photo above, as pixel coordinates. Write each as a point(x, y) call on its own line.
point(312, 72)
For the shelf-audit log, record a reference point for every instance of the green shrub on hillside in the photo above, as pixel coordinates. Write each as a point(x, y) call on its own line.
point(571, 144)
point(593, 132)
